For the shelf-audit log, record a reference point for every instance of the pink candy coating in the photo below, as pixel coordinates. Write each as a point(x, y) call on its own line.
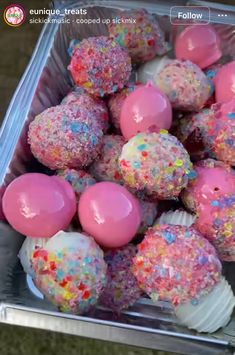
point(82, 99)
point(147, 108)
point(176, 264)
point(214, 180)
point(217, 223)
point(100, 66)
point(185, 84)
point(225, 83)
point(110, 213)
point(65, 136)
point(122, 289)
point(143, 38)
point(39, 206)
point(200, 44)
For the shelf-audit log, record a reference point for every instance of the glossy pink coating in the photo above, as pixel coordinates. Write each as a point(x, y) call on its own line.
point(38, 205)
point(147, 108)
point(110, 214)
point(225, 83)
point(200, 44)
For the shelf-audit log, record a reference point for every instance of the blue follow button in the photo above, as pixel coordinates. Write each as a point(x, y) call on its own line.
point(189, 14)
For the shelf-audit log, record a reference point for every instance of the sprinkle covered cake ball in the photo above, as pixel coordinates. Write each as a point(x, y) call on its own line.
point(100, 66)
point(65, 136)
point(143, 38)
point(217, 223)
point(82, 99)
point(79, 179)
point(122, 289)
point(116, 101)
point(185, 84)
point(106, 168)
point(213, 180)
point(70, 271)
point(156, 163)
point(176, 263)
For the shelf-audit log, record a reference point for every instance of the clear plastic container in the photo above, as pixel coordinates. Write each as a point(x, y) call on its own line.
point(44, 83)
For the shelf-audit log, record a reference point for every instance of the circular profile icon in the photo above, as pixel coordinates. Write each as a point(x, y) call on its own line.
point(14, 15)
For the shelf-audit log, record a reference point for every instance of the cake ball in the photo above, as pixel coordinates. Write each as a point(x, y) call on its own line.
point(225, 83)
point(106, 167)
point(185, 84)
point(145, 109)
point(122, 289)
point(176, 264)
point(195, 132)
point(70, 271)
point(82, 99)
point(27, 250)
point(65, 137)
point(110, 213)
point(217, 223)
point(143, 38)
point(100, 66)
point(149, 70)
point(79, 179)
point(156, 163)
point(116, 101)
point(38, 205)
point(213, 180)
point(149, 213)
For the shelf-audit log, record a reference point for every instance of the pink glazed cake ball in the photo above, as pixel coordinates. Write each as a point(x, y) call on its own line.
point(217, 223)
point(38, 205)
point(176, 264)
point(143, 38)
point(200, 44)
point(110, 214)
point(225, 83)
point(106, 168)
point(70, 271)
point(100, 66)
point(156, 163)
point(122, 289)
point(65, 137)
point(79, 179)
point(185, 84)
point(147, 108)
point(195, 132)
point(213, 180)
point(116, 101)
point(149, 213)
point(82, 99)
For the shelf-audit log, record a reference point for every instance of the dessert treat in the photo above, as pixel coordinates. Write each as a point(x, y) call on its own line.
point(70, 271)
point(106, 167)
point(225, 83)
point(65, 137)
point(38, 205)
point(217, 223)
point(200, 44)
point(149, 70)
point(122, 289)
point(109, 213)
point(29, 246)
point(214, 180)
point(149, 213)
point(79, 179)
point(195, 132)
point(145, 109)
point(156, 163)
point(212, 71)
point(185, 84)
point(144, 39)
point(100, 66)
point(115, 104)
point(178, 217)
point(177, 264)
point(83, 100)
